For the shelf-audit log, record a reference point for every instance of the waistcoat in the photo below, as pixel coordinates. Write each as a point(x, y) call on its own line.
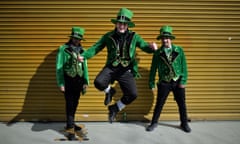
point(73, 67)
point(122, 43)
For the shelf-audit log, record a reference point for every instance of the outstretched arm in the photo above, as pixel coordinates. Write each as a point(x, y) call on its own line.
point(147, 47)
point(93, 50)
point(97, 47)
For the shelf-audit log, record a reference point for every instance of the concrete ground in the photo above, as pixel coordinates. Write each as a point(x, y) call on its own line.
point(167, 132)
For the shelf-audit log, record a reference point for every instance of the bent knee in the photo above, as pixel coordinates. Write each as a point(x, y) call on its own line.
point(99, 85)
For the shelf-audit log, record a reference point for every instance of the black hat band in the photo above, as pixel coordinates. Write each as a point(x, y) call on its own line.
point(76, 34)
point(166, 33)
point(124, 18)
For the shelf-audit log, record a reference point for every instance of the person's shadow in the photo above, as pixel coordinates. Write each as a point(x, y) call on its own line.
point(141, 107)
point(43, 101)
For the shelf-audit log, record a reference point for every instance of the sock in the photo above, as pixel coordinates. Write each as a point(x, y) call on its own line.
point(120, 105)
point(107, 89)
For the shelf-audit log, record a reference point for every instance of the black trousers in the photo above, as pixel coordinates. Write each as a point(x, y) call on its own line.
point(125, 79)
point(164, 89)
point(73, 88)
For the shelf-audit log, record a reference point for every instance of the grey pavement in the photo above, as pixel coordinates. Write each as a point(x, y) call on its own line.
point(167, 132)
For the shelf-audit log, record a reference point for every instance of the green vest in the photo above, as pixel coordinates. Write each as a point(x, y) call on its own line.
point(122, 49)
point(170, 74)
point(73, 67)
point(124, 59)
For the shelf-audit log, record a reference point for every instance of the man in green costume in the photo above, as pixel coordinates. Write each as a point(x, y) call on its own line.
point(121, 64)
point(170, 62)
point(72, 76)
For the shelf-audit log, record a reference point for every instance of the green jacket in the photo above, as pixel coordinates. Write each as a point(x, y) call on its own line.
point(108, 41)
point(160, 63)
point(64, 65)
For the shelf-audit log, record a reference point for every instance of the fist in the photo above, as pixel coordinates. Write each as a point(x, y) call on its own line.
point(80, 58)
point(153, 46)
point(62, 89)
point(182, 86)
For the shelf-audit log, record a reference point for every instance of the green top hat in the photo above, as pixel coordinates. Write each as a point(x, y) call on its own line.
point(77, 32)
point(166, 31)
point(124, 16)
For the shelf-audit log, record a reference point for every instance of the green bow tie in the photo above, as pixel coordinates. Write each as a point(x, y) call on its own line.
point(168, 51)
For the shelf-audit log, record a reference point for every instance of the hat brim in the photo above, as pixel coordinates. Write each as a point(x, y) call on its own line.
point(161, 36)
point(77, 37)
point(130, 24)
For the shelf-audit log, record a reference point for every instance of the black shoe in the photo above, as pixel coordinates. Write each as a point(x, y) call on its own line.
point(82, 134)
point(151, 127)
point(113, 110)
point(71, 137)
point(70, 134)
point(108, 96)
point(77, 128)
point(185, 127)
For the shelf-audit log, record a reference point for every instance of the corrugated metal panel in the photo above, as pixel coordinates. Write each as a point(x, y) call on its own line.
point(31, 31)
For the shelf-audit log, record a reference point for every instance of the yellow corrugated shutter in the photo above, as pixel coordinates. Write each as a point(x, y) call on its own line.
point(31, 31)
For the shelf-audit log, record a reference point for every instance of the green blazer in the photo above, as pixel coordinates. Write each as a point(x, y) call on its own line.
point(108, 41)
point(160, 64)
point(63, 65)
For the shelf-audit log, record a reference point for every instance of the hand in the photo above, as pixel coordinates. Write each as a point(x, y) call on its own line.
point(84, 89)
point(80, 58)
point(85, 86)
point(182, 86)
point(153, 46)
point(62, 89)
